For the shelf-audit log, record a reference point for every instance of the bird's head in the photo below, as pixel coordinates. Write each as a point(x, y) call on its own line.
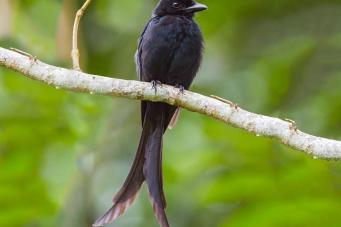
point(178, 7)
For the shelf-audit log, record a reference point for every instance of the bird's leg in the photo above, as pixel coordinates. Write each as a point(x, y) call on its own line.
point(181, 88)
point(155, 83)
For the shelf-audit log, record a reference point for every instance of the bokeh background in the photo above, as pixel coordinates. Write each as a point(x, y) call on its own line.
point(63, 155)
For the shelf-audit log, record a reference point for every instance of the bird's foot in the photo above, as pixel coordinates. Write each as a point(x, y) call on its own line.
point(230, 103)
point(293, 125)
point(181, 88)
point(155, 83)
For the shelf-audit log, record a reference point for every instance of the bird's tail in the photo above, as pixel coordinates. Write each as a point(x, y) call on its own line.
point(147, 167)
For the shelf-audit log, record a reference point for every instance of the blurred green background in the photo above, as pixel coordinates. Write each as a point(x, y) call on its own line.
point(63, 155)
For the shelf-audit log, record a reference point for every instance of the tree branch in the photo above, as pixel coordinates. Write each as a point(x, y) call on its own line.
point(285, 131)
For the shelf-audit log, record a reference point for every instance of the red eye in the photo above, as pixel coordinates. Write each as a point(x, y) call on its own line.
point(176, 5)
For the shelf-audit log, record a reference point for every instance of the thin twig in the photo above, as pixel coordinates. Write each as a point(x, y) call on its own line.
point(34, 58)
point(75, 50)
point(260, 125)
point(232, 104)
point(293, 124)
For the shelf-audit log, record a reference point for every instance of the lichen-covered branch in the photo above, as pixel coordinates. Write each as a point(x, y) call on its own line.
point(218, 108)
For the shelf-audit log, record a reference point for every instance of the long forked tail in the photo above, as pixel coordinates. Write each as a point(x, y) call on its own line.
point(147, 167)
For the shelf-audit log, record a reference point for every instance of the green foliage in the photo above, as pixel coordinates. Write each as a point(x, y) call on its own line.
point(63, 155)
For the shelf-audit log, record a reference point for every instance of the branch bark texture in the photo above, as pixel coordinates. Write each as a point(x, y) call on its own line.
point(260, 125)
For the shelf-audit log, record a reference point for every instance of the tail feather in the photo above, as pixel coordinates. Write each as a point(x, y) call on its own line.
point(160, 214)
point(147, 167)
point(127, 194)
point(123, 199)
point(153, 174)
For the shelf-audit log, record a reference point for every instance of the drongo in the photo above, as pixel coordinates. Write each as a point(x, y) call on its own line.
point(169, 52)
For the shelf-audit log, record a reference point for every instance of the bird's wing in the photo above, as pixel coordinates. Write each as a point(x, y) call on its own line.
point(139, 66)
point(139, 53)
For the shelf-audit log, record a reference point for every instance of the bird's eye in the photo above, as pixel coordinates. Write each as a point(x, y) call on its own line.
point(176, 5)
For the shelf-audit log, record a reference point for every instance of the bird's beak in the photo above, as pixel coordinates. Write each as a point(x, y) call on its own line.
point(196, 8)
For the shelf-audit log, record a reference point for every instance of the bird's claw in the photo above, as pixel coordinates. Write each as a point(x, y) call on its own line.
point(181, 88)
point(293, 125)
point(155, 83)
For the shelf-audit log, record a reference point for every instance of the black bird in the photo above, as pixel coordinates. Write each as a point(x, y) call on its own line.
point(169, 52)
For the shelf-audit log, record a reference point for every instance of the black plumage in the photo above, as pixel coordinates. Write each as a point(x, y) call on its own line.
point(170, 52)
